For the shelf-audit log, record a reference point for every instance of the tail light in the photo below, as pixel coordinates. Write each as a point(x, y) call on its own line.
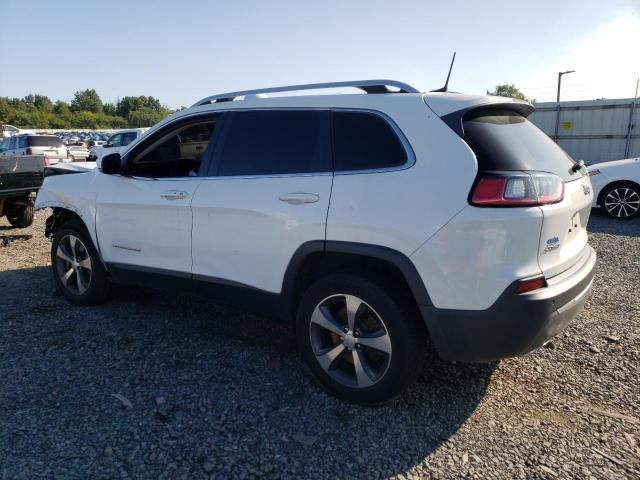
point(29, 151)
point(497, 189)
point(531, 284)
point(46, 162)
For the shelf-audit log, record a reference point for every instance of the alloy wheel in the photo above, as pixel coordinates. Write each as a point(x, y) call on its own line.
point(350, 341)
point(622, 202)
point(73, 264)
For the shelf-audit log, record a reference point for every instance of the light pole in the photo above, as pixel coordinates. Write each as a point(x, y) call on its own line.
point(560, 74)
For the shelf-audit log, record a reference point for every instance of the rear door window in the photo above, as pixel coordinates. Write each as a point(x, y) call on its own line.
point(128, 137)
point(45, 141)
point(505, 140)
point(365, 141)
point(274, 142)
point(22, 142)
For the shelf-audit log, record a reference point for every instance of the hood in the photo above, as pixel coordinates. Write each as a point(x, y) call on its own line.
point(66, 168)
point(74, 166)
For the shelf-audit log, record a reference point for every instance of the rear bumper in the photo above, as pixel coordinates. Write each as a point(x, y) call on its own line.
point(516, 323)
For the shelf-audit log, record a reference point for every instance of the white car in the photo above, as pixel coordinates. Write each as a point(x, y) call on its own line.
point(77, 153)
point(50, 146)
point(117, 143)
point(7, 131)
point(375, 223)
point(616, 187)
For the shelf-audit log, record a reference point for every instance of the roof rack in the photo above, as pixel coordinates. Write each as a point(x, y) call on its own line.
point(369, 86)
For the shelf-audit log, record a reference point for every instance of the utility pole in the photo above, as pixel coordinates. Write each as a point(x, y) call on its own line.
point(631, 124)
point(560, 74)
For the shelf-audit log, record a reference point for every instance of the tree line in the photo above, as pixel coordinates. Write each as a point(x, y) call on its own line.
point(85, 111)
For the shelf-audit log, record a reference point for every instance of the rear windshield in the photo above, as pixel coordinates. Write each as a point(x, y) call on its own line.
point(505, 140)
point(45, 141)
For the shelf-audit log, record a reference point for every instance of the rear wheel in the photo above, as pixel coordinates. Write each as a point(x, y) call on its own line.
point(361, 343)
point(77, 269)
point(621, 200)
point(20, 216)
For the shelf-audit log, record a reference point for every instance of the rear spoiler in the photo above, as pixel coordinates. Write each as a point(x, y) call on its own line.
point(455, 119)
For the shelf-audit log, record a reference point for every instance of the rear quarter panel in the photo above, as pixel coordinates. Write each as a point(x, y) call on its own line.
point(401, 209)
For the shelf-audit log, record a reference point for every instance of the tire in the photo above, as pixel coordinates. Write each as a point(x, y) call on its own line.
point(20, 216)
point(353, 370)
point(621, 200)
point(77, 269)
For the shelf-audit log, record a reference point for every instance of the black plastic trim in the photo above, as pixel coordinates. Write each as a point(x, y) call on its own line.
point(259, 301)
point(399, 260)
point(516, 323)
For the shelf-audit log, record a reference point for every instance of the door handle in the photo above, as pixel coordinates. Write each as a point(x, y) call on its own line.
point(298, 198)
point(175, 195)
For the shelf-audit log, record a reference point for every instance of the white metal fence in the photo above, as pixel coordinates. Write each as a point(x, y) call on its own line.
point(592, 130)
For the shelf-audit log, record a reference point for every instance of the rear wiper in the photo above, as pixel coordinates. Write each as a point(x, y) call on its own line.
point(577, 166)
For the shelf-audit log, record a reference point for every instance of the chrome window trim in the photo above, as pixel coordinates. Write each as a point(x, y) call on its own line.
point(410, 162)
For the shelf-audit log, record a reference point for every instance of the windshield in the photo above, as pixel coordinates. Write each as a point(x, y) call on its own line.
point(505, 140)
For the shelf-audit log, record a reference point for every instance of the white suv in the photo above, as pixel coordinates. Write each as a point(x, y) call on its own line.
point(116, 143)
point(376, 223)
point(49, 146)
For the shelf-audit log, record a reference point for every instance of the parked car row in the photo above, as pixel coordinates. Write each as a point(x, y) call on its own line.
point(54, 149)
point(86, 139)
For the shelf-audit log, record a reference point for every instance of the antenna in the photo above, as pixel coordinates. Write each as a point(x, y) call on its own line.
point(446, 84)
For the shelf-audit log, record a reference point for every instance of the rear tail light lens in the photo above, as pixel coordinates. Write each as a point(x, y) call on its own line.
point(531, 284)
point(495, 189)
point(46, 162)
point(29, 151)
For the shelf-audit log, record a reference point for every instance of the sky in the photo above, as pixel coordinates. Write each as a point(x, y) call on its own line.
point(180, 51)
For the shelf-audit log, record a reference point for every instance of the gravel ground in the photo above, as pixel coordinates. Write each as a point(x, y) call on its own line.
point(150, 386)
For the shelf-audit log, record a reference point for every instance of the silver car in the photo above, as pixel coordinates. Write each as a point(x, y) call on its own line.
point(77, 153)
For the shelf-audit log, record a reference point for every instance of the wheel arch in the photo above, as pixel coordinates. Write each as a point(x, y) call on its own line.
point(613, 183)
point(318, 258)
point(63, 214)
point(60, 216)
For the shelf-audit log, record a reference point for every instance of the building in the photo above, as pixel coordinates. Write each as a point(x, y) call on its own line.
point(593, 130)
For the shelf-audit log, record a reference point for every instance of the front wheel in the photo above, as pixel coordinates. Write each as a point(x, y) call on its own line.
point(77, 269)
point(621, 200)
point(361, 343)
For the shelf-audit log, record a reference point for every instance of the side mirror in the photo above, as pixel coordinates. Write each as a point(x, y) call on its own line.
point(111, 164)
